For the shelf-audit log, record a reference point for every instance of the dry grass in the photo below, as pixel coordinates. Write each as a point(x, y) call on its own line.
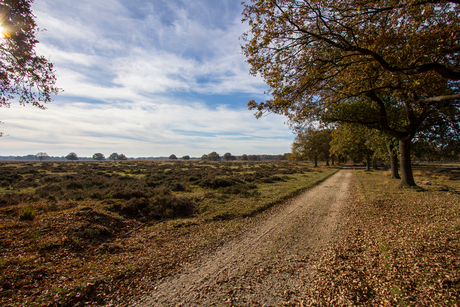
point(401, 246)
point(87, 245)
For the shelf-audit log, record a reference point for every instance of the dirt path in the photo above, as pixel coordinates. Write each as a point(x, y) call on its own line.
point(269, 264)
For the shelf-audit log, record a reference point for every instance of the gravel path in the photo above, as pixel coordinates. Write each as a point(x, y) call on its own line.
point(268, 265)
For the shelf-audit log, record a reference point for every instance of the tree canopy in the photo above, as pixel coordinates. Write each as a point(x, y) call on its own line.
point(312, 143)
point(41, 156)
point(98, 156)
point(229, 157)
point(390, 65)
point(214, 156)
point(113, 156)
point(72, 156)
point(358, 143)
point(23, 74)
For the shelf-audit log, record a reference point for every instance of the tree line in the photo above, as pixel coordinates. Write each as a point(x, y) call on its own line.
point(358, 143)
point(213, 156)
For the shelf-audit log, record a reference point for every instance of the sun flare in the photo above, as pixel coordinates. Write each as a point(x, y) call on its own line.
point(4, 32)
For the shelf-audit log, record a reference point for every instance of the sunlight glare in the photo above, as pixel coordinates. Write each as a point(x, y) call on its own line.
point(4, 32)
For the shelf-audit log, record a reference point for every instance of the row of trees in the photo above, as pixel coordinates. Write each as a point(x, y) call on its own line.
point(359, 143)
point(74, 157)
point(386, 65)
point(185, 158)
point(214, 156)
point(113, 156)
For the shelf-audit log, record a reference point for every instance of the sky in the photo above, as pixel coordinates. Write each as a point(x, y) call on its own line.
point(145, 78)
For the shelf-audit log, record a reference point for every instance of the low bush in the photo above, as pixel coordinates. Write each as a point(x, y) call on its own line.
point(215, 183)
point(245, 190)
point(158, 207)
point(27, 214)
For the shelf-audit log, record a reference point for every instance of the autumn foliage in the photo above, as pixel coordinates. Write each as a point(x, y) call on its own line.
point(387, 65)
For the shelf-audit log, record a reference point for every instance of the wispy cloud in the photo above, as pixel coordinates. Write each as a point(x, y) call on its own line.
point(142, 78)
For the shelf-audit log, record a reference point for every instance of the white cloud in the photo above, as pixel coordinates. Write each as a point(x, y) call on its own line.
point(144, 129)
point(126, 68)
point(63, 58)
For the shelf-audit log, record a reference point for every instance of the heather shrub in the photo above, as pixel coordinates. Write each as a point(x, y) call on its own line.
point(159, 207)
point(215, 183)
point(27, 214)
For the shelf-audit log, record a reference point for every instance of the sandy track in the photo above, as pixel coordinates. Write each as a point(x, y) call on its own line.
point(268, 265)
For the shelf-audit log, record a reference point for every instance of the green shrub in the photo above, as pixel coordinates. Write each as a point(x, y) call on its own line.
point(27, 214)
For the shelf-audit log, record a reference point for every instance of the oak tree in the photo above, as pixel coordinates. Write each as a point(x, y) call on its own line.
point(71, 156)
point(41, 156)
point(214, 156)
point(113, 156)
point(98, 156)
point(358, 143)
point(312, 143)
point(228, 156)
point(391, 65)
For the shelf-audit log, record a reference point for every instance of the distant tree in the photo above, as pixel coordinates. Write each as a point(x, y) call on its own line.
point(352, 141)
point(312, 143)
point(186, 158)
point(228, 156)
point(214, 156)
point(253, 158)
point(122, 157)
point(98, 156)
point(113, 156)
point(244, 157)
point(204, 157)
point(41, 156)
point(72, 156)
point(24, 76)
point(172, 157)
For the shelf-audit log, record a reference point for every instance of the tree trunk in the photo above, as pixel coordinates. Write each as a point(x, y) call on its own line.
point(406, 167)
point(375, 164)
point(316, 161)
point(393, 161)
point(368, 163)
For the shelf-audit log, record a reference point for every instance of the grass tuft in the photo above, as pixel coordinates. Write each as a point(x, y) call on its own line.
point(27, 214)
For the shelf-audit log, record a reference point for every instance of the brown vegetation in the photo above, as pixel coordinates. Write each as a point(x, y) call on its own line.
point(99, 232)
point(401, 246)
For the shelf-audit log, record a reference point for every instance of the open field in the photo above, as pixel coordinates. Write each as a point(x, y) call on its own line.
point(99, 232)
point(401, 246)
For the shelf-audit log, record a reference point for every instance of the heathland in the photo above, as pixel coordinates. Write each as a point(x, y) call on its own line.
point(97, 233)
point(76, 232)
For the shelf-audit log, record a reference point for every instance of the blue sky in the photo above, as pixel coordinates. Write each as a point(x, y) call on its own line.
point(144, 78)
